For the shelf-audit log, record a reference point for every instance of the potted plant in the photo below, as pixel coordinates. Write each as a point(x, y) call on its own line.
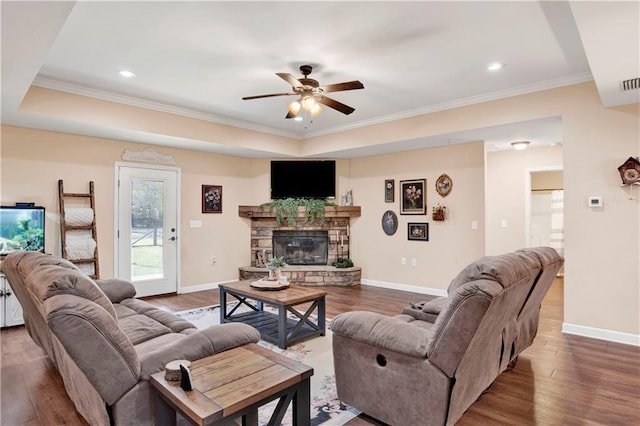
point(438, 212)
point(275, 266)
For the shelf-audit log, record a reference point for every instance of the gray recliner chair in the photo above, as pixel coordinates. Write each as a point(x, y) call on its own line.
point(429, 364)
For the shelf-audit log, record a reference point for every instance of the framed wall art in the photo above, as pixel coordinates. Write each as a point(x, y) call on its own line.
point(418, 231)
point(413, 196)
point(444, 185)
point(389, 190)
point(211, 198)
point(389, 222)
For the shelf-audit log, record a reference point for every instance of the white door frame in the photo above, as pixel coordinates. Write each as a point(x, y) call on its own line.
point(118, 165)
point(527, 198)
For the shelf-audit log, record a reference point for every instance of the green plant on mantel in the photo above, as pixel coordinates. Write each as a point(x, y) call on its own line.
point(287, 208)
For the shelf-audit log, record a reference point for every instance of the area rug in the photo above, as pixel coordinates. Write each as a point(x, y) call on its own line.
point(326, 409)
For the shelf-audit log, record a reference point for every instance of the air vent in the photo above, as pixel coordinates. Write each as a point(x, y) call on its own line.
point(631, 84)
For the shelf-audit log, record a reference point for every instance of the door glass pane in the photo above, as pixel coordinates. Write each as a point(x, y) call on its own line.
point(147, 212)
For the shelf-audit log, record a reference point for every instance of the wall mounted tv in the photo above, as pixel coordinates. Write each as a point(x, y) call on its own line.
point(303, 179)
point(21, 228)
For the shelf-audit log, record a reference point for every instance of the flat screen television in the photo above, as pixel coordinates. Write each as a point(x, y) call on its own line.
point(303, 179)
point(21, 228)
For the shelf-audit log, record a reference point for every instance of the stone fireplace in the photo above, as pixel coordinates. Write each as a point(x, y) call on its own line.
point(301, 247)
point(308, 248)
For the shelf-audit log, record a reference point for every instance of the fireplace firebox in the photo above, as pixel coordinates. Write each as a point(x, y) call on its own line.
point(301, 247)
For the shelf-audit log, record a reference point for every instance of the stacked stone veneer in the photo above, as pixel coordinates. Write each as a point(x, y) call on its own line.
point(336, 223)
point(309, 275)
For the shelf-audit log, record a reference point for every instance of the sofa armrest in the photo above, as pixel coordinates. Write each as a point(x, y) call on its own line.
point(117, 290)
point(401, 334)
point(209, 341)
point(426, 311)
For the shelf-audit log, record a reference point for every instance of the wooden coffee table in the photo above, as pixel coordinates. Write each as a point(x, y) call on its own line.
point(233, 384)
point(279, 328)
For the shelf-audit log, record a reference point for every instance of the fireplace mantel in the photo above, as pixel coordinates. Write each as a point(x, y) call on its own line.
point(329, 212)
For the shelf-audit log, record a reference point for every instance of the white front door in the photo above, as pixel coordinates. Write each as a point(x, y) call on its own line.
point(147, 228)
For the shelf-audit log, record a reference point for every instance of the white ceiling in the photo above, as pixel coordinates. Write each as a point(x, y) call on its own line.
point(198, 59)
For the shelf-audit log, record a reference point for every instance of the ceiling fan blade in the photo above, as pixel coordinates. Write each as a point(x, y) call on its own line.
point(289, 79)
point(338, 106)
point(339, 87)
point(246, 98)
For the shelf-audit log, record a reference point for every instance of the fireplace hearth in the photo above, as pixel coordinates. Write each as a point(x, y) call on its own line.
point(301, 247)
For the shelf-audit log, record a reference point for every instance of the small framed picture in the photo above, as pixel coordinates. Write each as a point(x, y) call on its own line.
point(211, 198)
point(389, 190)
point(413, 196)
point(418, 231)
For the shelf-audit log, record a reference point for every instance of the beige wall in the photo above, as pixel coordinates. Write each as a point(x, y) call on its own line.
point(452, 244)
point(546, 181)
point(602, 276)
point(506, 194)
point(33, 161)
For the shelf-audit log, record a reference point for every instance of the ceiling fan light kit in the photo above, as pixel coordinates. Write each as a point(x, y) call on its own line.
point(312, 94)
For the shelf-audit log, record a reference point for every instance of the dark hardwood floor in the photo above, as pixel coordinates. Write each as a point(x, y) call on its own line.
point(559, 380)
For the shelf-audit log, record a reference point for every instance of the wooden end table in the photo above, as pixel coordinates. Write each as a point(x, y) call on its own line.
point(276, 328)
point(233, 384)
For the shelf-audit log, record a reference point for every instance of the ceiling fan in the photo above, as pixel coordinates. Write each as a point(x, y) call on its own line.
point(311, 93)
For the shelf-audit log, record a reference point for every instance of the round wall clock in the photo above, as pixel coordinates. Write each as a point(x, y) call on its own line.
point(389, 222)
point(630, 171)
point(444, 185)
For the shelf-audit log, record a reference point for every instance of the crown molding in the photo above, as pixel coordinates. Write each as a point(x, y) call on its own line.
point(76, 89)
point(462, 102)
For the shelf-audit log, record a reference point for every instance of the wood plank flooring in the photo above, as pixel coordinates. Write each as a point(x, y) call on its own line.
point(559, 380)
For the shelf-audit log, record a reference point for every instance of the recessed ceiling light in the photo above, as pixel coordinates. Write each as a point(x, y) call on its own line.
point(520, 145)
point(127, 74)
point(495, 66)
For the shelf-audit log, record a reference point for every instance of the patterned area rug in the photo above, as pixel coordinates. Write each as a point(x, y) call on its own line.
point(326, 409)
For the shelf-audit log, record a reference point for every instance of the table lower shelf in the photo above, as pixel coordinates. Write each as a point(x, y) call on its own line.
point(267, 324)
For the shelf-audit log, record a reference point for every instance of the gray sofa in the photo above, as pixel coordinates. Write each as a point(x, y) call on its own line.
point(430, 363)
point(103, 341)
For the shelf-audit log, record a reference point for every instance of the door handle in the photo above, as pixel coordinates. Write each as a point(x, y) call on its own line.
point(172, 239)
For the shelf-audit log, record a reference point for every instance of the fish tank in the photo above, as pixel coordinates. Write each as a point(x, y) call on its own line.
point(21, 228)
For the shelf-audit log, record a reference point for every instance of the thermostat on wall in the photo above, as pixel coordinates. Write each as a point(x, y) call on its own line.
point(595, 202)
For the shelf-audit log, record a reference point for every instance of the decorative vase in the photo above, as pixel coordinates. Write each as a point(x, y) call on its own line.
point(277, 272)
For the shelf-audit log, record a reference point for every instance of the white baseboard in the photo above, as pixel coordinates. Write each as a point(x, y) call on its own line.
point(405, 287)
point(601, 333)
point(202, 287)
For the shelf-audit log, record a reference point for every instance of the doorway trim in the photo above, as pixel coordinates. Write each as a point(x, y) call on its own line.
point(116, 173)
point(527, 199)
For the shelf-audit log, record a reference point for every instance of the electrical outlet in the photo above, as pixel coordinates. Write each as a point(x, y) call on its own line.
point(403, 260)
point(214, 260)
point(414, 262)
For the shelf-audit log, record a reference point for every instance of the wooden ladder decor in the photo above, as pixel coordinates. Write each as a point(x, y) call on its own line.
point(78, 245)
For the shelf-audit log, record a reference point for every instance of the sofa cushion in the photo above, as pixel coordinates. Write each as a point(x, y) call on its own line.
point(92, 338)
point(171, 321)
point(51, 280)
point(122, 311)
point(140, 328)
